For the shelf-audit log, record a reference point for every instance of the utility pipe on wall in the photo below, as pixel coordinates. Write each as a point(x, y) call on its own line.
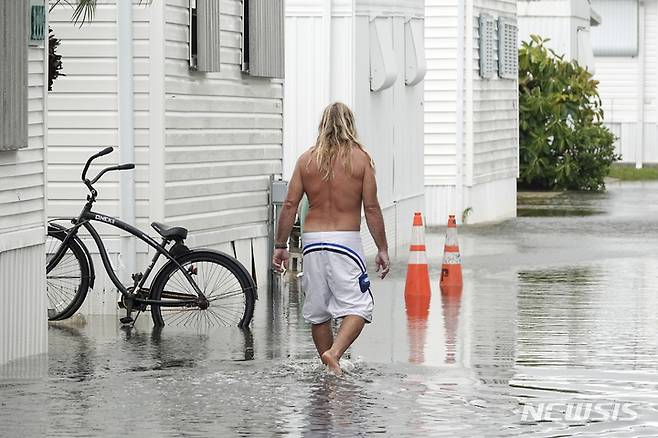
point(459, 119)
point(326, 31)
point(639, 147)
point(126, 130)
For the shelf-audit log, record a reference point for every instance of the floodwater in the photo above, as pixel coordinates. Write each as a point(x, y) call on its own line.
point(555, 333)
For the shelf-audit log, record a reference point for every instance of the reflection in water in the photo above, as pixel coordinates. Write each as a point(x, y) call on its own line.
point(335, 407)
point(493, 321)
point(451, 298)
point(418, 310)
point(553, 309)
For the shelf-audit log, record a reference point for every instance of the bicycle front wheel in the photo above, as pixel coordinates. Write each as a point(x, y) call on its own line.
point(67, 282)
point(226, 284)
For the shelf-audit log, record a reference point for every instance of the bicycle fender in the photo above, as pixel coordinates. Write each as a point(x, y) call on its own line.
point(76, 239)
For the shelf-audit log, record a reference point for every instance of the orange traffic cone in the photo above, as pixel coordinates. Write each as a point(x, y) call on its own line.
point(418, 275)
point(451, 271)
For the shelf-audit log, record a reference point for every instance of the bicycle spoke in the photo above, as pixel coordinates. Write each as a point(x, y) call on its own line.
point(220, 285)
point(65, 281)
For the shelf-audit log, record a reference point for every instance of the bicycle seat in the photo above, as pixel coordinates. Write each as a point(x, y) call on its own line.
point(170, 232)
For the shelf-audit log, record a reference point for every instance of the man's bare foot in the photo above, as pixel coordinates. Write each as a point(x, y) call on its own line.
point(332, 362)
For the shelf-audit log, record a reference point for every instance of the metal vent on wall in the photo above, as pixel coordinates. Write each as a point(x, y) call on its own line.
point(37, 23)
point(508, 55)
point(487, 45)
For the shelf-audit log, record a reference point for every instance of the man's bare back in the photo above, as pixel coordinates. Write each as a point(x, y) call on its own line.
point(334, 205)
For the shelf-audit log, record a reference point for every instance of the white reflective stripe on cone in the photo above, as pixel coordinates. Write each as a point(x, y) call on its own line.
point(417, 236)
point(451, 258)
point(417, 258)
point(451, 237)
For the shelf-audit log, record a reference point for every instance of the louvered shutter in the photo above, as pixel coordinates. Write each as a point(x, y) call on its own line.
point(14, 23)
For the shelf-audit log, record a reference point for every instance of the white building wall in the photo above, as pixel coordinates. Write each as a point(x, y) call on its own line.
point(560, 21)
point(205, 143)
point(83, 119)
point(23, 320)
point(490, 131)
point(630, 93)
point(222, 142)
point(492, 181)
point(440, 95)
point(626, 86)
point(328, 59)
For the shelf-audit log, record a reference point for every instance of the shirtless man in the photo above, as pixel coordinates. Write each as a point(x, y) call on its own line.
point(338, 177)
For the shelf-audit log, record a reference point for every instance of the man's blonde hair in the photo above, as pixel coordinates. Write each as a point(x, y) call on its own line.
point(336, 136)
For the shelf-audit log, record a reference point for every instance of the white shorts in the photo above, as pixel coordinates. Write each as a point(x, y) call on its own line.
point(335, 279)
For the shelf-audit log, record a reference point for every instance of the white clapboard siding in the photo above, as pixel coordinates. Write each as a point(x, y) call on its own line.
point(620, 89)
point(22, 171)
point(495, 113)
point(440, 95)
point(223, 136)
point(83, 112)
point(490, 148)
point(23, 330)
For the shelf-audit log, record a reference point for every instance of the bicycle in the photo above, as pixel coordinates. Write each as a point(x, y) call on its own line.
point(195, 287)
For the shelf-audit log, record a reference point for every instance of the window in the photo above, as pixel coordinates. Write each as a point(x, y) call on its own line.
point(262, 38)
point(617, 35)
point(14, 24)
point(205, 35)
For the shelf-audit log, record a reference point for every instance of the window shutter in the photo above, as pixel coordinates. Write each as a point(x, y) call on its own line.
point(265, 27)
point(13, 74)
point(208, 35)
point(508, 52)
point(487, 40)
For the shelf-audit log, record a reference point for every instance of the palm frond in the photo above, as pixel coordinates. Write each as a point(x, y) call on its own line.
point(84, 10)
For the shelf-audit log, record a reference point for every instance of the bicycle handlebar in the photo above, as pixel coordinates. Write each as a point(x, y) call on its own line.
point(105, 151)
point(109, 169)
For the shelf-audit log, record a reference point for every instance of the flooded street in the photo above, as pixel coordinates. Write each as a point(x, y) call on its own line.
point(554, 334)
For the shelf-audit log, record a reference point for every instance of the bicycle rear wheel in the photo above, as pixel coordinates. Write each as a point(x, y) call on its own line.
point(67, 282)
point(224, 281)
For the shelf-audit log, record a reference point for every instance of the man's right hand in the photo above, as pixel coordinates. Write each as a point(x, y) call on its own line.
point(382, 263)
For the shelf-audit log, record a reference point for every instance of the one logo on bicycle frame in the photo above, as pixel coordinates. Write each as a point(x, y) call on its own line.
point(105, 219)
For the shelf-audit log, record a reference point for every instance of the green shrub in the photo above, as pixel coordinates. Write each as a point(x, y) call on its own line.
point(563, 143)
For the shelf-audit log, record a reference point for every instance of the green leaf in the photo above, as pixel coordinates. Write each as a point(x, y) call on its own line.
point(563, 142)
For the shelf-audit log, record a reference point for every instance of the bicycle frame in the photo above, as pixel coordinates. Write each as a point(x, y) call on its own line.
point(84, 220)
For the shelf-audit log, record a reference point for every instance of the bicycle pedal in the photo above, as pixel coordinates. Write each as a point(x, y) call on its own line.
point(126, 320)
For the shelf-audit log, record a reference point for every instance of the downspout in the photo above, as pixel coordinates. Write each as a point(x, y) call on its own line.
point(46, 77)
point(326, 19)
point(352, 91)
point(459, 119)
point(468, 102)
point(639, 147)
point(126, 131)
